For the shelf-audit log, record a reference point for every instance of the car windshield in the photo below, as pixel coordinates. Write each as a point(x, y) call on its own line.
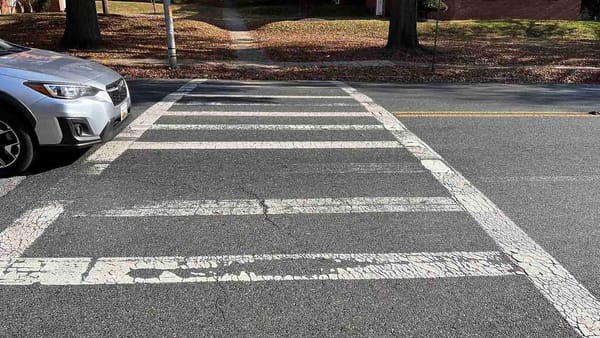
point(6, 48)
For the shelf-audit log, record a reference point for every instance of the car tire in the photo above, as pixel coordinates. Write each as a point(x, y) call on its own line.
point(17, 148)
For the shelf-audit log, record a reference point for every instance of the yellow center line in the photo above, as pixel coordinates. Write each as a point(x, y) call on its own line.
point(492, 114)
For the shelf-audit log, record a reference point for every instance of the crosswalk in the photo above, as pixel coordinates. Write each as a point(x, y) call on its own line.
point(327, 117)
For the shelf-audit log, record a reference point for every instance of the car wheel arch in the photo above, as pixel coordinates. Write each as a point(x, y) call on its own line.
point(21, 112)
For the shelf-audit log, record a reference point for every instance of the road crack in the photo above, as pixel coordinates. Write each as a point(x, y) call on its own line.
point(263, 205)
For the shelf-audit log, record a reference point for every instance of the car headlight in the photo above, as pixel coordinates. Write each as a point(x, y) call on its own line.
point(62, 90)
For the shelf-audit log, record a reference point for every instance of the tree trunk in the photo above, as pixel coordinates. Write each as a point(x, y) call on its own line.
point(20, 8)
point(25, 6)
point(105, 9)
point(403, 25)
point(82, 29)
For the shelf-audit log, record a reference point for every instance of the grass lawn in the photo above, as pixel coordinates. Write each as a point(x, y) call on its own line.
point(333, 33)
point(204, 10)
point(131, 33)
point(130, 7)
point(507, 42)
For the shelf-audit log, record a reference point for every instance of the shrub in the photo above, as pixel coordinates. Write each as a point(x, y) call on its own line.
point(432, 6)
point(591, 8)
point(40, 5)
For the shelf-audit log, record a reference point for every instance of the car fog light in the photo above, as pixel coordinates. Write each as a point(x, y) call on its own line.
point(78, 129)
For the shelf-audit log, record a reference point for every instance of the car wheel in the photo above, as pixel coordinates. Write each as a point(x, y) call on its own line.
point(17, 149)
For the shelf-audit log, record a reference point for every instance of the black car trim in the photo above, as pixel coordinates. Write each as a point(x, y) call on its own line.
point(21, 108)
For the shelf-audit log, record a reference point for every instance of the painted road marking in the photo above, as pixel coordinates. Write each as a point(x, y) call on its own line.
point(252, 268)
point(241, 207)
point(250, 96)
point(541, 179)
point(266, 114)
point(266, 127)
point(263, 145)
point(228, 86)
point(490, 114)
point(573, 301)
point(355, 168)
point(9, 184)
point(16, 238)
point(246, 104)
point(112, 150)
point(96, 169)
point(279, 84)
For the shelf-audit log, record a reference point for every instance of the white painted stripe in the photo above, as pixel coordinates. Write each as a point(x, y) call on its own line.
point(111, 150)
point(263, 145)
point(255, 104)
point(266, 127)
point(9, 184)
point(541, 179)
point(266, 114)
point(17, 237)
point(96, 169)
point(181, 208)
point(280, 86)
point(261, 83)
point(354, 168)
point(574, 302)
point(250, 96)
point(252, 268)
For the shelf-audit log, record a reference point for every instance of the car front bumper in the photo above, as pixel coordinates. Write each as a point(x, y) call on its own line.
point(78, 123)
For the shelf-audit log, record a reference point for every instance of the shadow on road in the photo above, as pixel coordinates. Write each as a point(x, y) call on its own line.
point(51, 159)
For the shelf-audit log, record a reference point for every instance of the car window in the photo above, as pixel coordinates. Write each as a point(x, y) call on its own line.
point(4, 45)
point(7, 48)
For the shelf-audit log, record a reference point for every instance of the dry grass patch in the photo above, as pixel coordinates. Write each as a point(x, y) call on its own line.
point(508, 42)
point(368, 74)
point(135, 36)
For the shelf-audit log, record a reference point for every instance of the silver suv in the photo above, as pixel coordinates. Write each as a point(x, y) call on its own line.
point(51, 99)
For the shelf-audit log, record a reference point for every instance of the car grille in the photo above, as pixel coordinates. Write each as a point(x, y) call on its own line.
point(117, 91)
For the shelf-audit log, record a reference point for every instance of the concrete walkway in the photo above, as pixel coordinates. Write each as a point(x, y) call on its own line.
point(241, 39)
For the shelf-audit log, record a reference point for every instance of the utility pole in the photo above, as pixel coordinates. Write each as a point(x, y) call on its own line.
point(171, 50)
point(105, 9)
point(435, 43)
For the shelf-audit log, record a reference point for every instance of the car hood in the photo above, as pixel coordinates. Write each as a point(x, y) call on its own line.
point(42, 65)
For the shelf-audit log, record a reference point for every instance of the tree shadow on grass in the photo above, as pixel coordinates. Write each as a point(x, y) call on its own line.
point(127, 37)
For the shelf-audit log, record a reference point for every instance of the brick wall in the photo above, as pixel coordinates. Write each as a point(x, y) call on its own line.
point(372, 4)
point(513, 9)
point(57, 6)
point(4, 9)
point(505, 9)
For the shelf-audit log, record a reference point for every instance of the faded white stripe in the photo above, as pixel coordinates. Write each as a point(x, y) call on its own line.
point(287, 206)
point(16, 238)
point(96, 169)
point(252, 268)
point(574, 302)
point(266, 114)
point(111, 150)
point(542, 179)
point(267, 127)
point(263, 145)
point(250, 96)
point(254, 104)
point(9, 184)
point(355, 168)
point(278, 86)
point(293, 84)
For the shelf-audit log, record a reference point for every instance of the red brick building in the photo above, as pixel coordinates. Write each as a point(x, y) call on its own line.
point(5, 7)
point(499, 9)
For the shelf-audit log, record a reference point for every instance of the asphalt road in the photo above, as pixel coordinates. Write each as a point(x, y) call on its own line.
point(305, 209)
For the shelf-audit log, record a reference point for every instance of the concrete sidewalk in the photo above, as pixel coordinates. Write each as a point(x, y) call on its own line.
point(250, 59)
